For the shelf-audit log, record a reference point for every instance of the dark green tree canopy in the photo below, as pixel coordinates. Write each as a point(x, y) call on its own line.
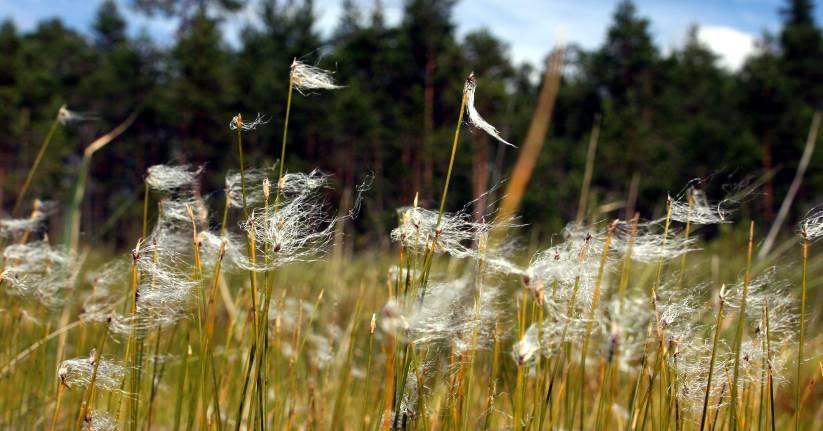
point(665, 117)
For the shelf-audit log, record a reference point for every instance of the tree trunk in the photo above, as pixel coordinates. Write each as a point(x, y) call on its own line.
point(768, 186)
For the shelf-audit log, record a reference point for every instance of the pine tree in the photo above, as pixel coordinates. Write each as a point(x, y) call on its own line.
point(286, 32)
point(626, 73)
point(186, 9)
point(802, 51)
point(10, 100)
point(203, 91)
point(428, 71)
point(488, 58)
point(698, 112)
point(766, 99)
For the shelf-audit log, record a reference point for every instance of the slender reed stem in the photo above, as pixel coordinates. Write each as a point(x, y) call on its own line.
point(686, 233)
point(428, 261)
point(769, 363)
point(368, 390)
point(39, 158)
point(60, 388)
point(285, 138)
point(625, 271)
point(453, 153)
point(711, 360)
point(739, 334)
point(589, 326)
point(89, 403)
point(802, 337)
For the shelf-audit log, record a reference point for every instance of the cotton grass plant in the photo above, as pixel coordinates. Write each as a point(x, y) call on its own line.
point(226, 315)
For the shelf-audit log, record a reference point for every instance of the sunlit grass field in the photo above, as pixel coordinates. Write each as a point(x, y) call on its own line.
point(247, 313)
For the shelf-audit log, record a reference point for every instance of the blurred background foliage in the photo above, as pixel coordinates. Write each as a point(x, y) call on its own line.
point(665, 117)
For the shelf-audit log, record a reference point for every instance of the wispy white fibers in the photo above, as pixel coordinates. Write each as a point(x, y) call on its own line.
point(770, 290)
point(66, 116)
point(299, 183)
point(305, 77)
point(396, 273)
point(238, 123)
point(702, 210)
point(168, 178)
point(680, 312)
point(409, 404)
point(176, 217)
point(40, 271)
point(180, 202)
point(682, 319)
point(99, 420)
point(166, 292)
point(474, 117)
point(36, 222)
point(649, 244)
point(418, 228)
point(812, 225)
point(297, 229)
point(232, 245)
point(544, 338)
point(254, 186)
point(457, 235)
point(564, 277)
point(446, 315)
point(690, 359)
point(77, 373)
point(575, 261)
point(626, 333)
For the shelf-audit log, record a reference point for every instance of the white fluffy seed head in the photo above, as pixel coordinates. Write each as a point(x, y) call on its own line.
point(625, 329)
point(700, 211)
point(99, 420)
point(169, 178)
point(39, 271)
point(695, 207)
point(11, 228)
point(238, 123)
point(811, 227)
point(647, 243)
point(545, 338)
point(290, 184)
point(166, 292)
point(474, 117)
point(66, 116)
point(77, 373)
point(457, 235)
point(297, 229)
point(447, 316)
point(305, 77)
point(175, 218)
point(568, 270)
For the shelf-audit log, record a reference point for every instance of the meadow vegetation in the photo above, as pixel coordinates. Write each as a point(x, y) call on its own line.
point(240, 314)
point(355, 257)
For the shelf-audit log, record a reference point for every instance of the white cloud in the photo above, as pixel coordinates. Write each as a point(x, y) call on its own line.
point(732, 45)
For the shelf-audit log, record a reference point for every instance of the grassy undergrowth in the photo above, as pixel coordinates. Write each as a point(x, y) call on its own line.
point(236, 314)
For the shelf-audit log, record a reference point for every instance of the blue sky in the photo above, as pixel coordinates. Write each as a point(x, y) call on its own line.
point(530, 27)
